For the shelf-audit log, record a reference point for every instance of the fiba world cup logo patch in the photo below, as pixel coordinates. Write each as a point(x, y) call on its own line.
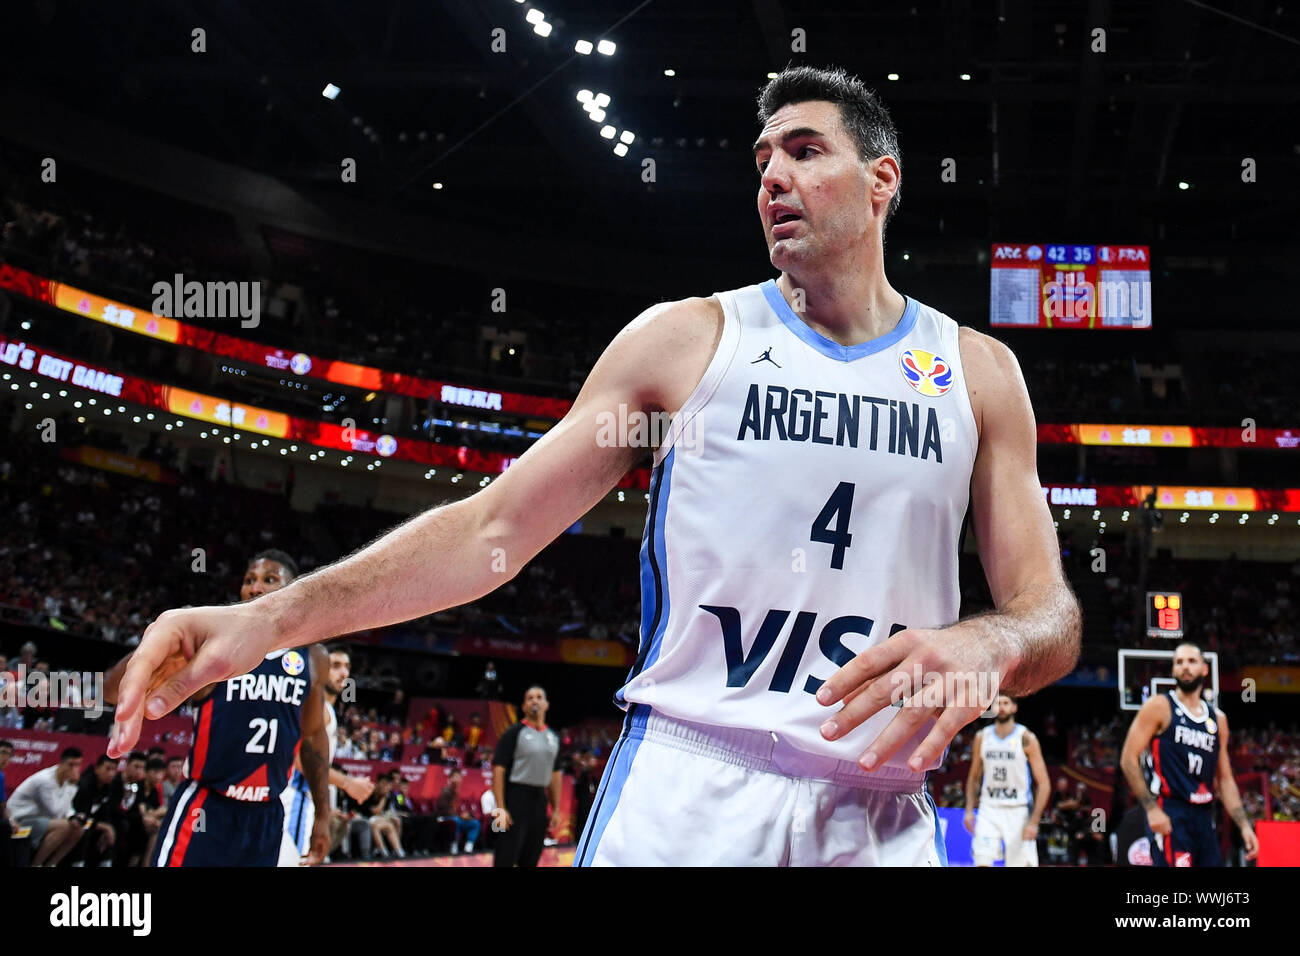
point(292, 663)
point(300, 363)
point(386, 445)
point(926, 372)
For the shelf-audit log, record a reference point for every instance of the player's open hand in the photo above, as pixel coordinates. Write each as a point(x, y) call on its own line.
point(958, 680)
point(1158, 821)
point(968, 821)
point(182, 652)
point(1250, 841)
point(359, 788)
point(320, 841)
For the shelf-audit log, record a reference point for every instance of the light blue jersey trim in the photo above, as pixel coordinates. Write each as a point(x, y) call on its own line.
point(654, 576)
point(841, 353)
point(939, 846)
point(611, 785)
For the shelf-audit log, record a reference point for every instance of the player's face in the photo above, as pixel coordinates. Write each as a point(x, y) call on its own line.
point(263, 577)
point(340, 671)
point(5, 754)
point(1188, 665)
point(72, 768)
point(134, 771)
point(809, 162)
point(1006, 708)
point(535, 704)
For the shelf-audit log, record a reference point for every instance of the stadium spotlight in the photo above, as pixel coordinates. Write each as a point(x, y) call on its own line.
point(965, 76)
point(597, 115)
point(535, 16)
point(771, 76)
point(602, 99)
point(331, 92)
point(670, 72)
point(1183, 185)
point(607, 132)
point(437, 185)
point(583, 47)
point(606, 47)
point(585, 96)
point(620, 150)
point(626, 136)
point(892, 76)
point(542, 29)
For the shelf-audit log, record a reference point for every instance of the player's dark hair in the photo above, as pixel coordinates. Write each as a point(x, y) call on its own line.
point(1199, 652)
point(173, 759)
point(157, 752)
point(156, 763)
point(103, 758)
point(135, 755)
point(70, 753)
point(864, 116)
point(331, 649)
point(7, 743)
point(279, 557)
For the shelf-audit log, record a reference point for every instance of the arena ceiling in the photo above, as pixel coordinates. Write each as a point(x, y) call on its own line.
point(1049, 137)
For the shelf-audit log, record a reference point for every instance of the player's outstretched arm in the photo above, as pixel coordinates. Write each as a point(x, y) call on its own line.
point(449, 555)
point(1230, 795)
point(1151, 720)
point(1029, 641)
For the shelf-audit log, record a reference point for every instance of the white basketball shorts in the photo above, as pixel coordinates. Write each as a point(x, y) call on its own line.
point(683, 794)
point(299, 817)
point(997, 825)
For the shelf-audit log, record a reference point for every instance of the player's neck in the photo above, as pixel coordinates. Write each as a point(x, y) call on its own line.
point(1011, 728)
point(1192, 702)
point(850, 305)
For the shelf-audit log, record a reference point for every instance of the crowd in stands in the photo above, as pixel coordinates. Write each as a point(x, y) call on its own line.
point(1243, 610)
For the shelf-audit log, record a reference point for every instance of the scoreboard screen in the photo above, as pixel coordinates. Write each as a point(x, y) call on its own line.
point(1044, 286)
point(1164, 614)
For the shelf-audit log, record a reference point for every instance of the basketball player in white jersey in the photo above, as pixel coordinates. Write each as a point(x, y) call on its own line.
point(799, 570)
point(1003, 757)
point(299, 810)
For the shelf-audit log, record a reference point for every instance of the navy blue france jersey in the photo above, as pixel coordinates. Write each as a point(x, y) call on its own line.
point(1186, 755)
point(248, 729)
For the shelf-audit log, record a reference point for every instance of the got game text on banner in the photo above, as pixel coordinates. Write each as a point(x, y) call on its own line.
point(1063, 286)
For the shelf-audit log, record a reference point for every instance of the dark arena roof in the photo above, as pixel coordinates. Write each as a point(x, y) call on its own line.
point(438, 214)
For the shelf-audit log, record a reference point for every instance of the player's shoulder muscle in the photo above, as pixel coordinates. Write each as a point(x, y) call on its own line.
point(669, 345)
point(1156, 713)
point(993, 377)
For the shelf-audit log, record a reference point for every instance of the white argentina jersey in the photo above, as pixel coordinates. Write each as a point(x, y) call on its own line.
point(806, 504)
point(1006, 768)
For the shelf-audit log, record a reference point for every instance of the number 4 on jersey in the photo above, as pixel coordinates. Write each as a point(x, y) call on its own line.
point(838, 506)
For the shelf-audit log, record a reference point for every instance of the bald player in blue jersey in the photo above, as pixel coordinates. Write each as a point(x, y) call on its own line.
point(248, 731)
point(875, 604)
